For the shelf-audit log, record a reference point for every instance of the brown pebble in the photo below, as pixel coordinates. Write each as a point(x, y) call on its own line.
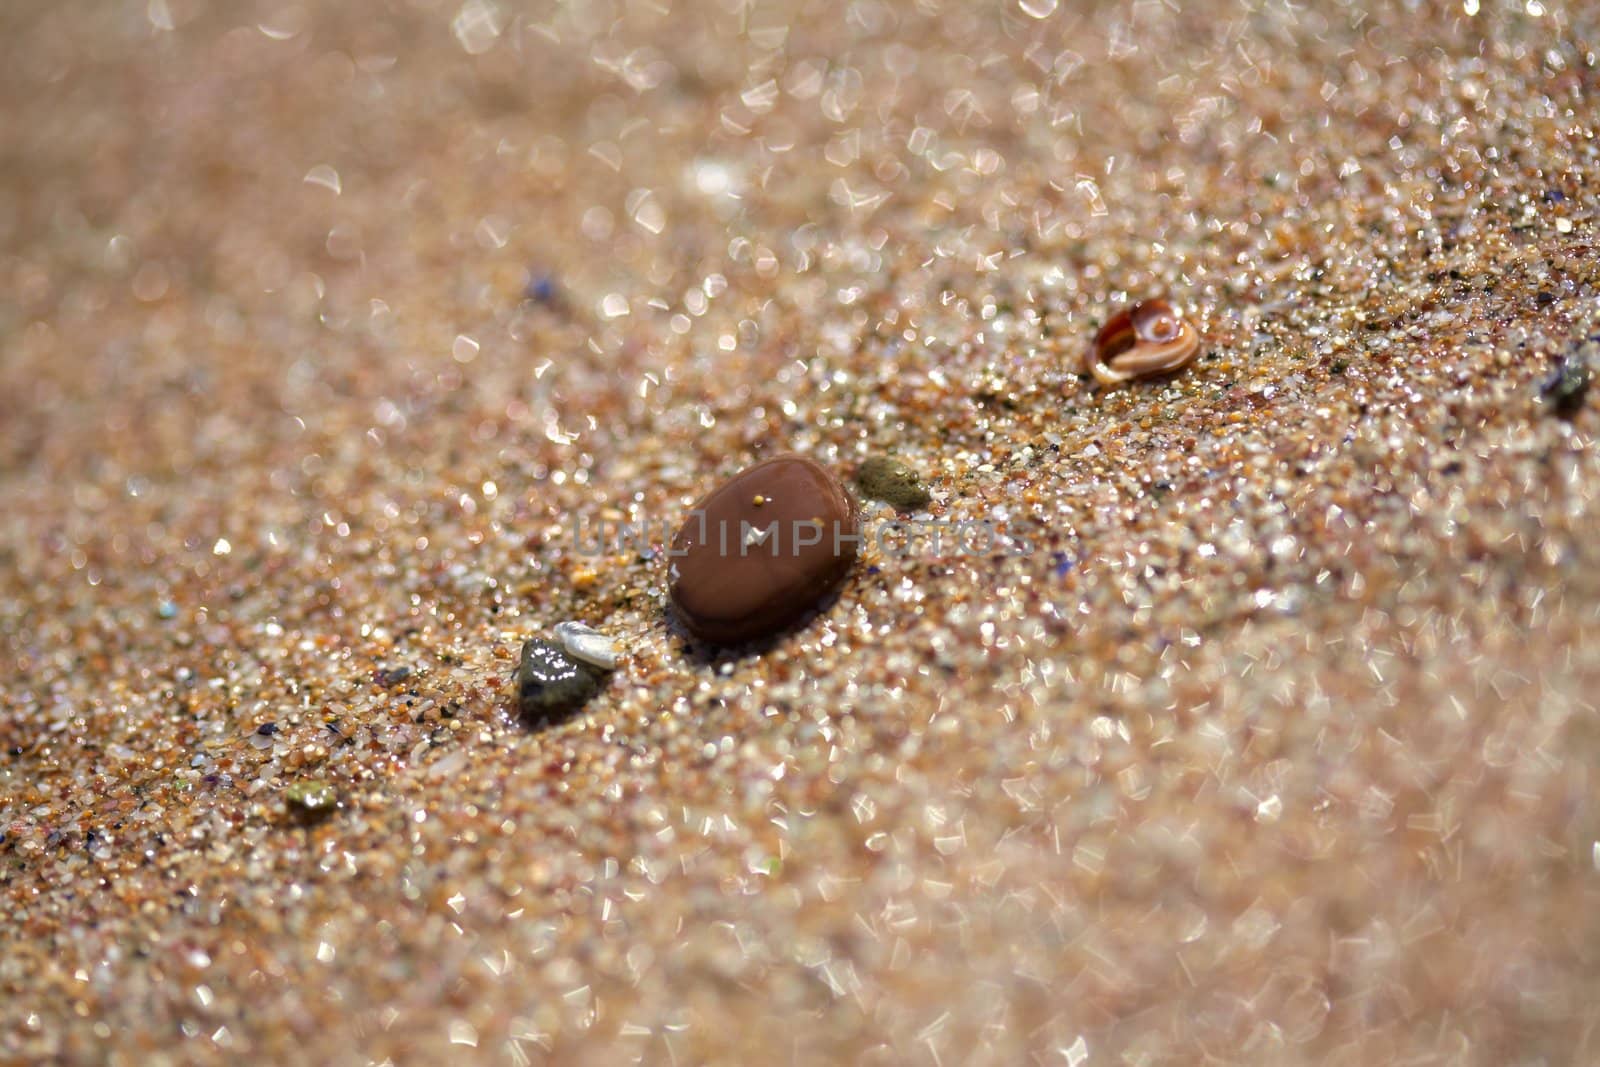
point(1145, 340)
point(742, 570)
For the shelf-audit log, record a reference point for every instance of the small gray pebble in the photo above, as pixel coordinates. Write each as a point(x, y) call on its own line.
point(550, 683)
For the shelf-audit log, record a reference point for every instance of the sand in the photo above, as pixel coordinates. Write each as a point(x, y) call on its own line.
point(1263, 732)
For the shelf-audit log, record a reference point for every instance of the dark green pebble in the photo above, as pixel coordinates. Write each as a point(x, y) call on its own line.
point(894, 483)
point(309, 801)
point(551, 683)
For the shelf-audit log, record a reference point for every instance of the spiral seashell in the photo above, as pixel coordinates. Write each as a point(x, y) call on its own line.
point(1147, 339)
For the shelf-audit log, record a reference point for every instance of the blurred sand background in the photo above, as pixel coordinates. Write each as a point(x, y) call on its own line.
point(320, 322)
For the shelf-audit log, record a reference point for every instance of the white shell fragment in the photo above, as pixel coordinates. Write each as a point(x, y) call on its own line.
point(587, 644)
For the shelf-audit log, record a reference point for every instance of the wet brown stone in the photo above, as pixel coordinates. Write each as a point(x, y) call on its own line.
point(761, 550)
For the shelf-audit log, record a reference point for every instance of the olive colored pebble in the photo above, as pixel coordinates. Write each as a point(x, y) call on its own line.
point(310, 801)
point(894, 483)
point(551, 683)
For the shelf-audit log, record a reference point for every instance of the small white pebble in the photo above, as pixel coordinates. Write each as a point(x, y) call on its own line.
point(587, 644)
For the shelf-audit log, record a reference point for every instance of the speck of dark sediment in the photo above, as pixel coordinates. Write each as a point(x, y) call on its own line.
point(391, 676)
point(891, 481)
point(1564, 390)
point(550, 683)
point(541, 289)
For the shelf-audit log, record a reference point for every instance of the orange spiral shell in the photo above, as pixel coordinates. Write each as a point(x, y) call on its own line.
point(1147, 339)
